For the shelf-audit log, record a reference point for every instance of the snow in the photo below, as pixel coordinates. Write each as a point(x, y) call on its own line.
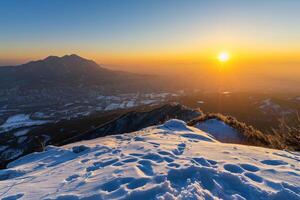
point(20, 120)
point(21, 132)
point(109, 98)
point(220, 130)
point(150, 101)
point(170, 161)
point(112, 106)
point(158, 95)
point(17, 118)
point(130, 104)
point(124, 104)
point(39, 115)
point(113, 98)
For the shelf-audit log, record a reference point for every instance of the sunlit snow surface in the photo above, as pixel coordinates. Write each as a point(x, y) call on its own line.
point(171, 161)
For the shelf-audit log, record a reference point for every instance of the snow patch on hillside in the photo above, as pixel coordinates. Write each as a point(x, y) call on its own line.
point(220, 130)
point(170, 161)
point(20, 120)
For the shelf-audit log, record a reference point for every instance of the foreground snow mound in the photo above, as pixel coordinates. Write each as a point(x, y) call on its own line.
point(170, 161)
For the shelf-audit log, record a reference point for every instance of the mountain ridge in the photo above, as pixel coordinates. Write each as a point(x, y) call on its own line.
point(70, 72)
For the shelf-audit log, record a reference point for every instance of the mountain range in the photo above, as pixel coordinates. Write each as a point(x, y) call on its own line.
point(69, 71)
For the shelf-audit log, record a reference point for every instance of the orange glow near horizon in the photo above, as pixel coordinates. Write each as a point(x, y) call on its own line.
point(168, 61)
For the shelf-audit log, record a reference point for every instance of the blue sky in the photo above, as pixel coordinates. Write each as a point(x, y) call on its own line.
point(113, 29)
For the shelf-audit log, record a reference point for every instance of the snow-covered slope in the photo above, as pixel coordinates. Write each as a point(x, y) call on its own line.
point(220, 130)
point(20, 120)
point(170, 161)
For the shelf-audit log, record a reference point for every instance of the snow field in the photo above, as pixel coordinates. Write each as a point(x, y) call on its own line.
point(170, 161)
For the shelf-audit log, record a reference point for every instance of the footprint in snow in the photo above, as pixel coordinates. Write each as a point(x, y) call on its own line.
point(212, 162)
point(146, 167)
point(130, 159)
point(254, 177)
point(137, 183)
point(106, 162)
point(165, 153)
point(174, 165)
point(85, 160)
point(168, 159)
point(182, 145)
point(72, 177)
point(273, 162)
point(101, 164)
point(116, 151)
point(114, 184)
point(154, 144)
point(91, 168)
point(167, 156)
point(201, 161)
point(136, 154)
point(102, 151)
point(14, 197)
point(233, 168)
point(249, 167)
point(154, 157)
point(139, 138)
point(180, 149)
point(117, 164)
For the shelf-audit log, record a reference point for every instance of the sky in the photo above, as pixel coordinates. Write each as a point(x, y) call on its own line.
point(152, 35)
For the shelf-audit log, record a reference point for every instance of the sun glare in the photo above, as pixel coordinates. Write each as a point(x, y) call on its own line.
point(223, 56)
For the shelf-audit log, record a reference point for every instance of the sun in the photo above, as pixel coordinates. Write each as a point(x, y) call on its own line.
point(223, 56)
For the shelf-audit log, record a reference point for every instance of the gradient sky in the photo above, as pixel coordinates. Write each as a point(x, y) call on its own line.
point(139, 34)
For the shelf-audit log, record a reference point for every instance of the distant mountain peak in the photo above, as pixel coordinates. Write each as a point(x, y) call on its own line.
point(68, 71)
point(65, 57)
point(51, 58)
point(72, 56)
